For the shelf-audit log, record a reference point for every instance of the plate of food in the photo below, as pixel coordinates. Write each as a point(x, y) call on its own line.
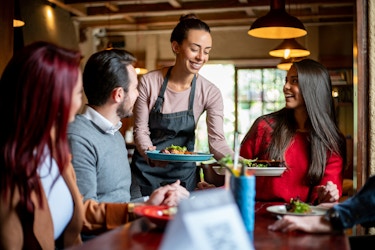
point(267, 171)
point(266, 163)
point(298, 208)
point(257, 171)
point(253, 166)
point(160, 215)
point(266, 167)
point(177, 154)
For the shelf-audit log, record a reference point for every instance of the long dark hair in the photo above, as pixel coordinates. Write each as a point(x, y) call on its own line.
point(324, 134)
point(36, 95)
point(187, 22)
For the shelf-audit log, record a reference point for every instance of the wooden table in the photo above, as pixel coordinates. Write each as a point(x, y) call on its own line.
point(142, 234)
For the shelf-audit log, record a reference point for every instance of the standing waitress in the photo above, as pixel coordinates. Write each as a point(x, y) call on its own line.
point(170, 102)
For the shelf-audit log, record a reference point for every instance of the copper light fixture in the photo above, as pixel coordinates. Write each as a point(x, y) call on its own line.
point(140, 68)
point(289, 48)
point(277, 24)
point(18, 23)
point(141, 71)
point(285, 64)
point(17, 20)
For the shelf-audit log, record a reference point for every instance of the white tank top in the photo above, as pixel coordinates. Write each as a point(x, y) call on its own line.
point(59, 198)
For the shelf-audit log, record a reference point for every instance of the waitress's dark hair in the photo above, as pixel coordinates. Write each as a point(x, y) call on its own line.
point(324, 135)
point(187, 22)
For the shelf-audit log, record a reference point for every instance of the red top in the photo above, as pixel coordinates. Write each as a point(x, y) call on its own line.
point(292, 182)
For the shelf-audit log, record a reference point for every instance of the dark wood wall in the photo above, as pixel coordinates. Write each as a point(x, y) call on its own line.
point(6, 32)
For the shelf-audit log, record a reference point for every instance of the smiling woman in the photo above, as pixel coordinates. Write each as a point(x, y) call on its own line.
point(170, 102)
point(304, 134)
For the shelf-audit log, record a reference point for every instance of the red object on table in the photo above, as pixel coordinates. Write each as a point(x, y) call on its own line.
point(142, 234)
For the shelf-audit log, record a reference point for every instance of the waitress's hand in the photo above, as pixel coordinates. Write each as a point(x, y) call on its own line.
point(154, 163)
point(328, 193)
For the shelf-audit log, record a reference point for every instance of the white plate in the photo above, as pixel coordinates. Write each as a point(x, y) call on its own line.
point(268, 171)
point(281, 209)
point(258, 171)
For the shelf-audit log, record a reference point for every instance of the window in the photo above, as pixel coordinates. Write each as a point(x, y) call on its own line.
point(259, 92)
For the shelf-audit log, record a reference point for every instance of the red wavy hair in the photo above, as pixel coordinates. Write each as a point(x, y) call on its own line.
point(35, 101)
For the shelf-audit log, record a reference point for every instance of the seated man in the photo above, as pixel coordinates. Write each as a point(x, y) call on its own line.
point(99, 153)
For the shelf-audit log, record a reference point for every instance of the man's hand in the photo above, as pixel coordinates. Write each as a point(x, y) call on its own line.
point(169, 195)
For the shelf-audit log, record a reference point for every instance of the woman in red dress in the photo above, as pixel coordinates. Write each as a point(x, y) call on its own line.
point(305, 136)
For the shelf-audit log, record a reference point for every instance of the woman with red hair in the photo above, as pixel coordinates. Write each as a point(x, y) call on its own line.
point(40, 205)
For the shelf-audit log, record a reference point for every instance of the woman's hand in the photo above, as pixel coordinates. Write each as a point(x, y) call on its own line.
point(328, 193)
point(169, 195)
point(309, 224)
point(153, 163)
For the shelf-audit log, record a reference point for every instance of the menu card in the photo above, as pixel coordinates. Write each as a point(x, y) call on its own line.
point(209, 220)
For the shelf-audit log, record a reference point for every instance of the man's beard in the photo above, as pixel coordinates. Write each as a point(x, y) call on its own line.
point(122, 112)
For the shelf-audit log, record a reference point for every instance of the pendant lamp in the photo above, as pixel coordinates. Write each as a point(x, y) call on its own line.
point(285, 64)
point(18, 23)
point(289, 48)
point(141, 71)
point(277, 24)
point(17, 20)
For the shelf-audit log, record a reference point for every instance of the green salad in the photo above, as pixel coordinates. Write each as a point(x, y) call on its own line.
point(297, 206)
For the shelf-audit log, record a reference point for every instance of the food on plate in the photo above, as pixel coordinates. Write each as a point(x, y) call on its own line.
point(297, 206)
point(228, 161)
point(168, 211)
point(252, 166)
point(262, 163)
point(173, 149)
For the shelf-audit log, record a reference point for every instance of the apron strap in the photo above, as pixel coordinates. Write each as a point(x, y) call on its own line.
point(192, 93)
point(160, 100)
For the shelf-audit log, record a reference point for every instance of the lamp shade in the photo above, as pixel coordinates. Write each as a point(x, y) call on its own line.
point(17, 20)
point(140, 68)
point(18, 23)
point(277, 24)
point(141, 71)
point(289, 48)
point(285, 64)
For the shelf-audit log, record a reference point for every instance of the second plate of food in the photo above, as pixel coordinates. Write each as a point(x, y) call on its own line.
point(257, 171)
point(281, 210)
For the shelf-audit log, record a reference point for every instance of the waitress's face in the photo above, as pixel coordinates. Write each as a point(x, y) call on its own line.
point(194, 51)
point(292, 93)
point(76, 98)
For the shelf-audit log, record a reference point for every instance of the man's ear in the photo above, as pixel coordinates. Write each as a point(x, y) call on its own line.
point(117, 94)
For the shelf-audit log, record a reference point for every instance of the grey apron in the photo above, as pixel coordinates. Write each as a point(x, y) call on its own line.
point(167, 129)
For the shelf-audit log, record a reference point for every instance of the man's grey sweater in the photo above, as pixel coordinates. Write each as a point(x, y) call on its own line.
point(101, 162)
